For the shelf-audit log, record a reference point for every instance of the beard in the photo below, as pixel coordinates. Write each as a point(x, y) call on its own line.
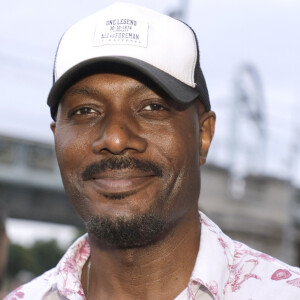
point(122, 233)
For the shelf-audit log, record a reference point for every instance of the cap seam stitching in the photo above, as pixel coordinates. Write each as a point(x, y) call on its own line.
point(192, 78)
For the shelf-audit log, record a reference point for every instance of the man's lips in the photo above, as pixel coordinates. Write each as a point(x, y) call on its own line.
point(120, 181)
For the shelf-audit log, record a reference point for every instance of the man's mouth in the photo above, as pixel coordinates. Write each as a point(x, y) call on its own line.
point(116, 177)
point(121, 181)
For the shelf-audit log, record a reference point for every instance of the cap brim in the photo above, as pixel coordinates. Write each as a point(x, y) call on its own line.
point(176, 89)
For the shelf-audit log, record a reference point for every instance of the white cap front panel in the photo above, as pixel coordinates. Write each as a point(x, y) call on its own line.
point(128, 30)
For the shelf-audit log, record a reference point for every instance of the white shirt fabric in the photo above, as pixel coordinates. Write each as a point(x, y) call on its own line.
point(224, 269)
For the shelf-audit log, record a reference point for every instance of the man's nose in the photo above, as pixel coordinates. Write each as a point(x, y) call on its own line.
point(118, 134)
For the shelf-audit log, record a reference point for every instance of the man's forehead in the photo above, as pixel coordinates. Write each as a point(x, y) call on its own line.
point(93, 85)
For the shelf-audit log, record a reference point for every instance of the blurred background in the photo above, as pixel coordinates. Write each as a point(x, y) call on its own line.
point(249, 53)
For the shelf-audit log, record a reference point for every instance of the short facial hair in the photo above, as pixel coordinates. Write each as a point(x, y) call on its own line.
point(138, 231)
point(121, 232)
point(119, 164)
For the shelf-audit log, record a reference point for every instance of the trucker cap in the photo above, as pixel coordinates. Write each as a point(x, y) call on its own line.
point(124, 35)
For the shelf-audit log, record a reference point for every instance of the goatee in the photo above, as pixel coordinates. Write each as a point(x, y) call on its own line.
point(125, 233)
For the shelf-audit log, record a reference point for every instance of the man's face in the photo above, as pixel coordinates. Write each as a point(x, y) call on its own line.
point(127, 154)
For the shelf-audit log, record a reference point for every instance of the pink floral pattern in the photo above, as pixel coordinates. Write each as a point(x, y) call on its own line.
point(18, 294)
point(244, 265)
point(281, 274)
point(213, 288)
point(294, 282)
point(225, 269)
point(65, 277)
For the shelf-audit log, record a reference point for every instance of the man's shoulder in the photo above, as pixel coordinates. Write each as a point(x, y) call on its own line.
point(35, 289)
point(262, 275)
point(244, 254)
point(64, 278)
point(247, 273)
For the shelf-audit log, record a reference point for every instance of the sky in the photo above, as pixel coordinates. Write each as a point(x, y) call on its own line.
point(232, 34)
point(26, 232)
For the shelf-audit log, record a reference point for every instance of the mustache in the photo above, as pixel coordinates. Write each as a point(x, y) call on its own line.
point(119, 164)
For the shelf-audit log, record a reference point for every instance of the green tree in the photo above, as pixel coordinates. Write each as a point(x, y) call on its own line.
point(42, 256)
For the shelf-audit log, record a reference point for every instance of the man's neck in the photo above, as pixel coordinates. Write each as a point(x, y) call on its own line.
point(158, 271)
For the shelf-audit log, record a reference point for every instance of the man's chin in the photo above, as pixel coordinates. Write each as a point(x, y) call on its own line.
point(124, 233)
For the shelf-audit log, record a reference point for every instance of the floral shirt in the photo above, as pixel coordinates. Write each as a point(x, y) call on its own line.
point(224, 269)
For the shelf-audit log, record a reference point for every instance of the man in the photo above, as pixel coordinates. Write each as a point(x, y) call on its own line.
point(132, 126)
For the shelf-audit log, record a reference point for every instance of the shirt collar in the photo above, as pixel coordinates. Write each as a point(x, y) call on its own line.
point(69, 269)
point(214, 258)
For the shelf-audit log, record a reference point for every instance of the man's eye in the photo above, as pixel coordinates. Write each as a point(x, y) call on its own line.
point(84, 111)
point(154, 107)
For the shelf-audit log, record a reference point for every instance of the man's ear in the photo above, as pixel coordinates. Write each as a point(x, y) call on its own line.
point(53, 126)
point(207, 129)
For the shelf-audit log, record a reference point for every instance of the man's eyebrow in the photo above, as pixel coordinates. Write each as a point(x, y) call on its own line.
point(92, 92)
point(140, 87)
point(85, 91)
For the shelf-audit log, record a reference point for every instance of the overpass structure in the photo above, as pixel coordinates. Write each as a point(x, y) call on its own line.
point(30, 183)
